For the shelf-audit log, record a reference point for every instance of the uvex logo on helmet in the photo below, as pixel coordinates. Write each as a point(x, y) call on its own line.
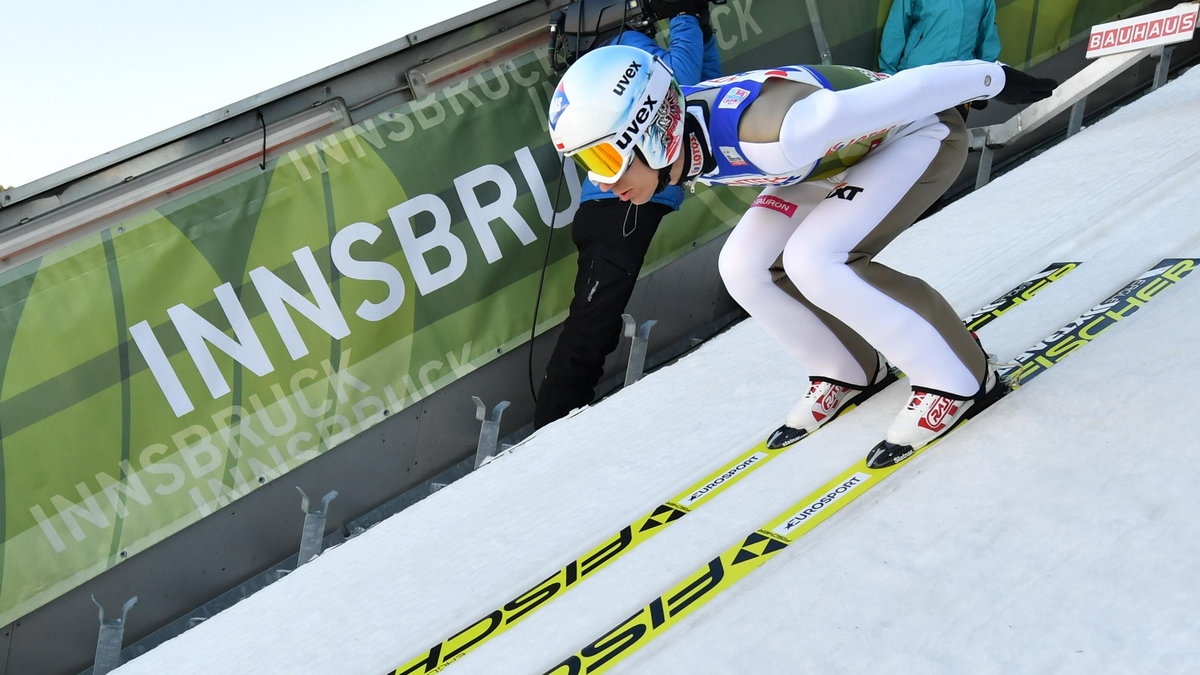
point(637, 123)
point(622, 83)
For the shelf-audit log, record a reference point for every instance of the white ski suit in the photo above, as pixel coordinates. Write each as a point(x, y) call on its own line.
point(850, 159)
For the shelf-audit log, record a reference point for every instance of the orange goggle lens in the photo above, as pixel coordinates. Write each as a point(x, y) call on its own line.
point(602, 159)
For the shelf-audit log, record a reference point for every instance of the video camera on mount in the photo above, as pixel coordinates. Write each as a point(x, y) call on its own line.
point(585, 24)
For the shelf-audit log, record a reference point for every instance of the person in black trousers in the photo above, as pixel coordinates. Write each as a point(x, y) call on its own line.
point(612, 235)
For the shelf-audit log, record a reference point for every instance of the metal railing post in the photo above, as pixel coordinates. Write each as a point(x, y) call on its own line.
point(108, 642)
point(1075, 122)
point(637, 350)
point(819, 33)
point(984, 173)
point(1164, 67)
point(489, 431)
point(314, 527)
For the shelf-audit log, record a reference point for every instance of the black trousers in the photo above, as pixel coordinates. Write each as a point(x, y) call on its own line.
point(612, 238)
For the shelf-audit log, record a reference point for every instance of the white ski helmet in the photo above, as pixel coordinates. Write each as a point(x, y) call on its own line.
point(614, 100)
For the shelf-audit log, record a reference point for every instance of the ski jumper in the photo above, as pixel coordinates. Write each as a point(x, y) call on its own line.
point(850, 159)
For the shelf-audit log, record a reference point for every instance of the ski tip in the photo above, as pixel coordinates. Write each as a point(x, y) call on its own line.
point(887, 454)
point(785, 436)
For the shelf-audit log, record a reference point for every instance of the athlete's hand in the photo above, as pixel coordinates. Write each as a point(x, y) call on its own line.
point(1022, 88)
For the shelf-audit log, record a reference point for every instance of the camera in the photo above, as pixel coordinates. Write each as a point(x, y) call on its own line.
point(585, 24)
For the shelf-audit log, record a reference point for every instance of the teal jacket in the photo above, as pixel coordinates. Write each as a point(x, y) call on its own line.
point(921, 32)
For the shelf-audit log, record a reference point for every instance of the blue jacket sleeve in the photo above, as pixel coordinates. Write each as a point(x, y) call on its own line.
point(685, 51)
point(895, 34)
point(988, 48)
point(686, 45)
point(711, 68)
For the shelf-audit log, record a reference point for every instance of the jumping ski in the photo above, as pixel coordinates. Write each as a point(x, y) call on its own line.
point(801, 518)
point(437, 657)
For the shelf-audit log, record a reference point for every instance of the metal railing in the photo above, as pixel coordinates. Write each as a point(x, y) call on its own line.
point(1070, 95)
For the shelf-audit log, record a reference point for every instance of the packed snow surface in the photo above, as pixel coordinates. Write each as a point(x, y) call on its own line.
point(1057, 533)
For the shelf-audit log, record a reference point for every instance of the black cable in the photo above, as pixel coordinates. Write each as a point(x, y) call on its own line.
point(537, 302)
point(263, 164)
point(579, 30)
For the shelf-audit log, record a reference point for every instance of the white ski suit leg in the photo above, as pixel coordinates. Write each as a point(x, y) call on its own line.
point(829, 257)
point(749, 268)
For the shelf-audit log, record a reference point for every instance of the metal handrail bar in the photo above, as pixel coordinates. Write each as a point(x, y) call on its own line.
point(1070, 95)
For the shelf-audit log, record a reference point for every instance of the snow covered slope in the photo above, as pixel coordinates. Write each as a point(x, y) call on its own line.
point(1055, 534)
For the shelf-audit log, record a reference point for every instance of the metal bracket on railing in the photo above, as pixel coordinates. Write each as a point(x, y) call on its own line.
point(1075, 122)
point(314, 526)
point(983, 174)
point(637, 350)
point(814, 16)
point(489, 431)
point(108, 643)
point(1164, 67)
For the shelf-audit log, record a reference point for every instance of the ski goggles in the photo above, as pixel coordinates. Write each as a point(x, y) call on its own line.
point(657, 145)
point(603, 162)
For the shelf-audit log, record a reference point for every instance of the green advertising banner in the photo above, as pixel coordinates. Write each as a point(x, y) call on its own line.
point(159, 370)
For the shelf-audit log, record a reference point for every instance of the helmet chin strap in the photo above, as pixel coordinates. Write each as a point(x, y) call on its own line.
point(664, 179)
point(697, 157)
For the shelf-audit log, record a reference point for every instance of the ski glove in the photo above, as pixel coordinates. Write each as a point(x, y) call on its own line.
point(1023, 88)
